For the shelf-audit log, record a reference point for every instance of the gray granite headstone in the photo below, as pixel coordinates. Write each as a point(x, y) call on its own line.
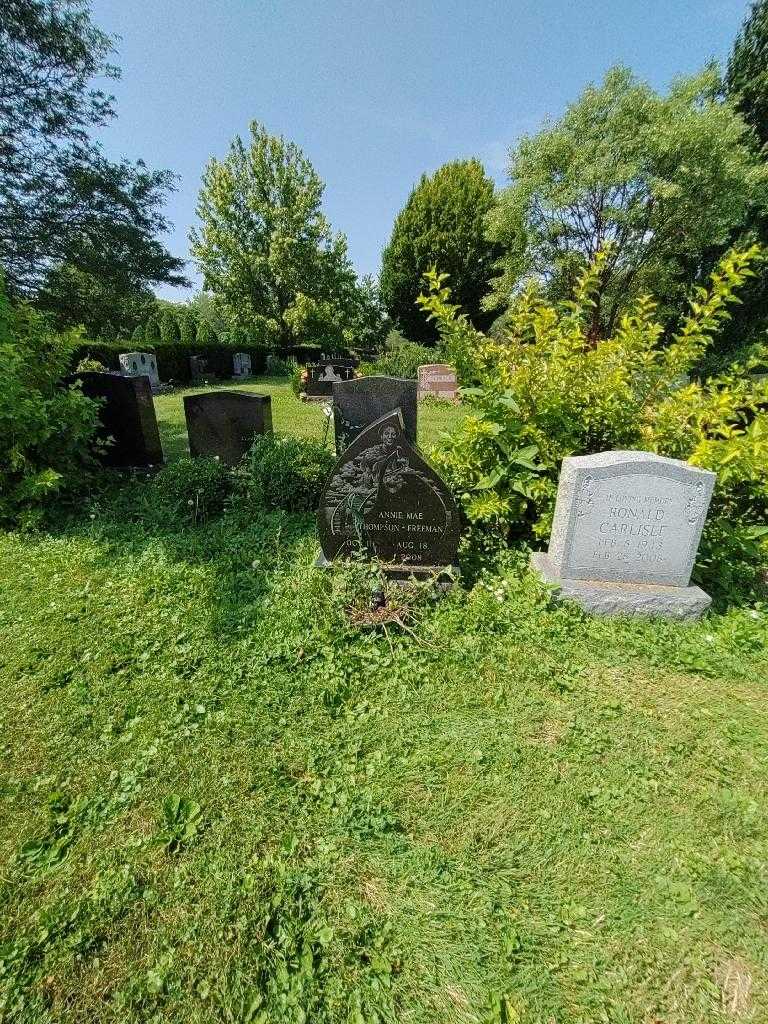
point(241, 364)
point(358, 403)
point(140, 364)
point(625, 534)
point(127, 417)
point(383, 500)
point(224, 423)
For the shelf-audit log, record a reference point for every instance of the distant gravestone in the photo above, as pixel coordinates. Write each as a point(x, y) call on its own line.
point(138, 364)
point(358, 403)
point(438, 380)
point(382, 500)
point(241, 364)
point(322, 376)
point(224, 423)
point(625, 534)
point(198, 369)
point(127, 415)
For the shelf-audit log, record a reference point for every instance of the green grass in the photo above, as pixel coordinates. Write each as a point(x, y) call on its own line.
point(289, 414)
point(222, 800)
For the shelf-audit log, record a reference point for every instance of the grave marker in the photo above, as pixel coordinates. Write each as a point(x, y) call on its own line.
point(241, 364)
point(322, 376)
point(384, 501)
point(438, 380)
point(358, 403)
point(224, 423)
point(625, 534)
point(136, 364)
point(127, 414)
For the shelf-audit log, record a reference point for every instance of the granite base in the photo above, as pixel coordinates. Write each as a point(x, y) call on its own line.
point(640, 600)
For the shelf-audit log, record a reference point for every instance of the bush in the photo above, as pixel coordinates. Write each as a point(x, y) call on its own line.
point(547, 390)
point(284, 472)
point(45, 429)
point(279, 367)
point(193, 489)
point(401, 358)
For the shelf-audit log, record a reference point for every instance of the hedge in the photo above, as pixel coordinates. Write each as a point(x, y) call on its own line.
point(173, 360)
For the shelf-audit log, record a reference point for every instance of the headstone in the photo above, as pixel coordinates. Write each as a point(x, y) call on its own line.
point(241, 362)
point(382, 500)
point(198, 368)
point(438, 380)
point(127, 414)
point(137, 364)
point(358, 403)
point(625, 534)
point(224, 423)
point(322, 376)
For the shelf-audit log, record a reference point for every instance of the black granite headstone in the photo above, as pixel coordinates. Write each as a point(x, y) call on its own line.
point(198, 368)
point(358, 403)
point(322, 376)
point(383, 500)
point(224, 423)
point(127, 415)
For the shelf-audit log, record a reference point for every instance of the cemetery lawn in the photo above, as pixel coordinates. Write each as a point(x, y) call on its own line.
point(222, 801)
point(289, 414)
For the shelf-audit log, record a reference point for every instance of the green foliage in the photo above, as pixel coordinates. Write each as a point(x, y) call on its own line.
point(205, 333)
point(653, 181)
point(298, 378)
point(137, 337)
point(152, 331)
point(279, 367)
point(192, 490)
point(169, 328)
point(547, 389)
point(284, 473)
point(44, 427)
point(187, 327)
point(71, 220)
point(403, 359)
point(173, 359)
point(442, 223)
point(746, 78)
point(466, 818)
point(280, 271)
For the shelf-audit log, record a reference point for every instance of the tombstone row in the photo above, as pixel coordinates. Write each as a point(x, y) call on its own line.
point(144, 364)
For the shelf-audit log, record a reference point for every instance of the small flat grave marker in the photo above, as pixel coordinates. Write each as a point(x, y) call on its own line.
point(438, 380)
point(625, 534)
point(127, 414)
point(384, 501)
point(224, 423)
point(358, 403)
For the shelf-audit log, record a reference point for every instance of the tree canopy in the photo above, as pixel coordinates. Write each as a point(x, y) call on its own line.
point(656, 180)
point(442, 224)
point(264, 245)
point(747, 75)
point(62, 203)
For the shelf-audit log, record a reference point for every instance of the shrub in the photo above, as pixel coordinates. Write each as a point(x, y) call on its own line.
point(402, 358)
point(193, 489)
point(45, 428)
point(547, 389)
point(169, 328)
point(284, 472)
point(298, 377)
point(279, 367)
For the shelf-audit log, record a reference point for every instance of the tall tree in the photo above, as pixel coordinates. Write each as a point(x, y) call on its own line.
point(746, 79)
point(746, 83)
point(62, 203)
point(660, 180)
point(443, 223)
point(264, 245)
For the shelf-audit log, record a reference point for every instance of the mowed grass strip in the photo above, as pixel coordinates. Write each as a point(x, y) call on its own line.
point(220, 802)
point(289, 414)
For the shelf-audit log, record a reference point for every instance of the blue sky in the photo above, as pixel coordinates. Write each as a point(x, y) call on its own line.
point(376, 93)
